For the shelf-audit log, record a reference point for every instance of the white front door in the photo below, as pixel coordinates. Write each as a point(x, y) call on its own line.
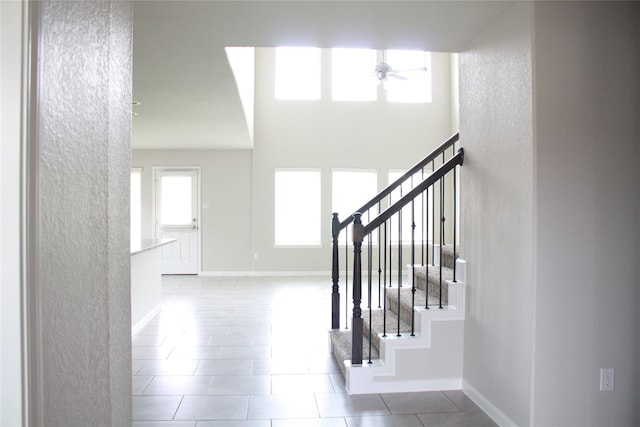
point(176, 210)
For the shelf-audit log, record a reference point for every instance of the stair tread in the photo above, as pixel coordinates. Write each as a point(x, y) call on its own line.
point(406, 299)
point(341, 339)
point(341, 346)
point(434, 272)
point(378, 322)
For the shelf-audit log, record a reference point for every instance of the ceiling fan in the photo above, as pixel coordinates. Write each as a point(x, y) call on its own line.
point(384, 70)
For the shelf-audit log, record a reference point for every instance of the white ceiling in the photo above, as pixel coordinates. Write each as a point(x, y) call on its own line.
point(182, 77)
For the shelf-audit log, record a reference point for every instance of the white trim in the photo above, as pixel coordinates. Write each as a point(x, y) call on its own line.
point(14, 37)
point(142, 322)
point(266, 274)
point(297, 246)
point(379, 377)
point(33, 353)
point(198, 170)
point(485, 404)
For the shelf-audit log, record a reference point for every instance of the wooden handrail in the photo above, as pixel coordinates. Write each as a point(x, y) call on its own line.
point(384, 193)
point(458, 159)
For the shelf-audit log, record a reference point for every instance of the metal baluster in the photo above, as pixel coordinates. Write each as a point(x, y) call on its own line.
point(422, 221)
point(426, 265)
point(433, 218)
point(455, 222)
point(390, 244)
point(369, 280)
point(413, 268)
point(384, 299)
point(379, 263)
point(442, 219)
point(399, 266)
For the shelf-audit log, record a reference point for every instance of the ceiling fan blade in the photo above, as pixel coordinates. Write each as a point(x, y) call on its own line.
point(410, 70)
point(397, 76)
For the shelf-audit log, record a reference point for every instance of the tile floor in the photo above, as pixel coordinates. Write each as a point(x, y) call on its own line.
point(254, 352)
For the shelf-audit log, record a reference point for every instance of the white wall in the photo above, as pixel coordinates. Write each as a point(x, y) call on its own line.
point(549, 108)
point(587, 63)
point(226, 187)
point(11, 30)
point(497, 238)
point(82, 257)
point(324, 135)
point(239, 185)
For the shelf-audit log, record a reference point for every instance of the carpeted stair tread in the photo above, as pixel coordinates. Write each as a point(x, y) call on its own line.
point(341, 339)
point(406, 307)
point(434, 280)
point(378, 324)
point(447, 255)
point(341, 347)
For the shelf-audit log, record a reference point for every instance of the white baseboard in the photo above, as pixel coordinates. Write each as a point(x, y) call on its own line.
point(489, 408)
point(266, 274)
point(142, 322)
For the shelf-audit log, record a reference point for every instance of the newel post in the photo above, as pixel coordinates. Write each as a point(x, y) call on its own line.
point(356, 322)
point(335, 274)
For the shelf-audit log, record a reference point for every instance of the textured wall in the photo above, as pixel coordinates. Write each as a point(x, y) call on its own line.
point(497, 239)
point(588, 201)
point(549, 108)
point(84, 127)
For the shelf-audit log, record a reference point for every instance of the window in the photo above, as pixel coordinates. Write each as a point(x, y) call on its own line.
point(421, 210)
point(176, 199)
point(136, 206)
point(297, 73)
point(350, 189)
point(416, 67)
point(352, 76)
point(297, 207)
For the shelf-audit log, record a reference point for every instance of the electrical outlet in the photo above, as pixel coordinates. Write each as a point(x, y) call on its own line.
point(607, 379)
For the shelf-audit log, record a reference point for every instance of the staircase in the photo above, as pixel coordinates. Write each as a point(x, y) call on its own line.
point(409, 335)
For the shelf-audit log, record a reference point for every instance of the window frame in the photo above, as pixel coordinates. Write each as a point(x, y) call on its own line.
point(310, 71)
point(310, 244)
point(427, 74)
point(360, 76)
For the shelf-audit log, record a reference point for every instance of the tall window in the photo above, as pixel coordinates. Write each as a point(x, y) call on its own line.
point(415, 67)
point(136, 205)
point(297, 207)
point(350, 189)
point(352, 75)
point(298, 73)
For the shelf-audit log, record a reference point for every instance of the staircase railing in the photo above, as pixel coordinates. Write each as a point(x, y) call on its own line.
point(430, 194)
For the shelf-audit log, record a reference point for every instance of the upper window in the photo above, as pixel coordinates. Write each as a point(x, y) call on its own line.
point(297, 207)
point(351, 75)
point(414, 68)
point(297, 73)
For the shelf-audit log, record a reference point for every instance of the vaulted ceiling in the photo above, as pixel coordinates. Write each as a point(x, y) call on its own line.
point(183, 80)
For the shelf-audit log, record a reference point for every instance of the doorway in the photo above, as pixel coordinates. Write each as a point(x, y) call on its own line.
point(176, 215)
